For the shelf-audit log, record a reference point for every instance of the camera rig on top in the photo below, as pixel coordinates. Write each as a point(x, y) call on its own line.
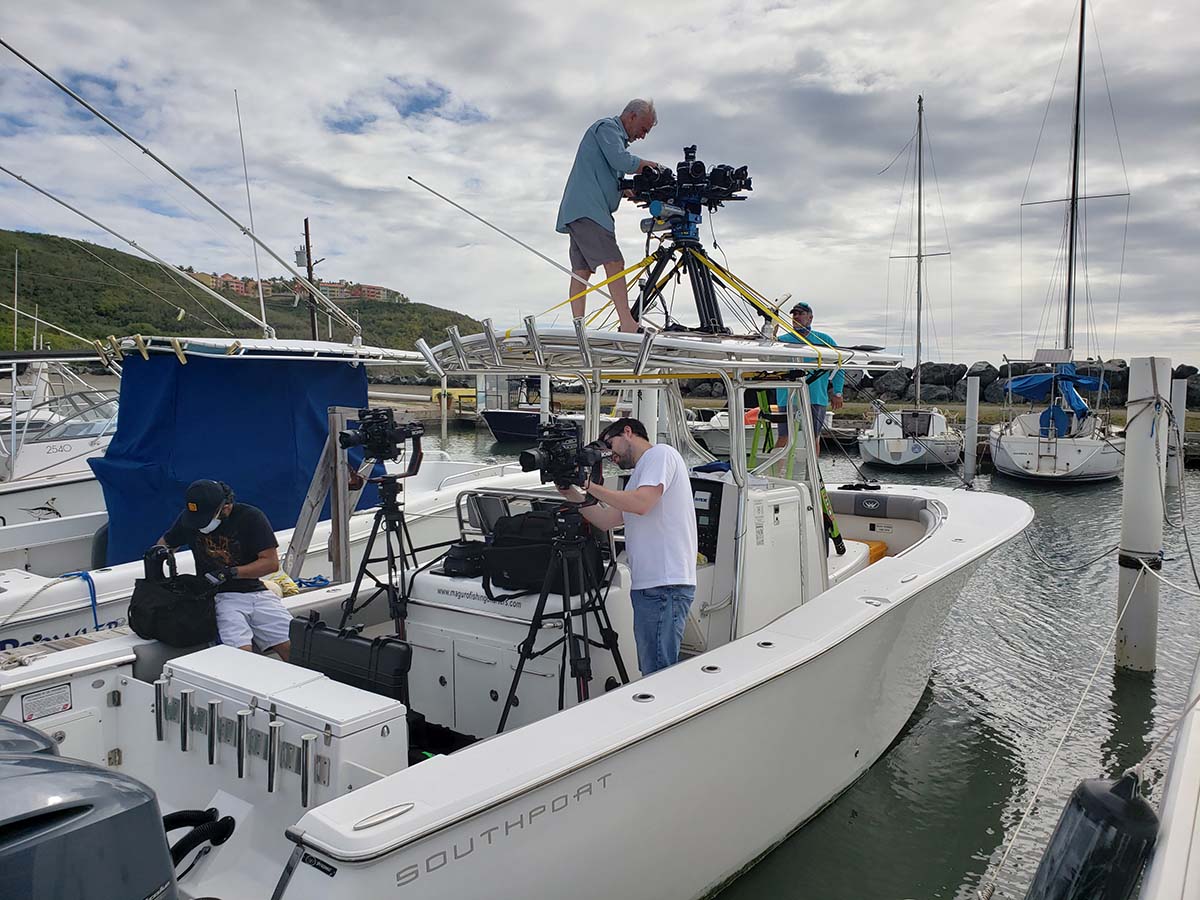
point(676, 201)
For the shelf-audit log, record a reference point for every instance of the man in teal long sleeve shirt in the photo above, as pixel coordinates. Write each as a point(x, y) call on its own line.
point(591, 197)
point(822, 394)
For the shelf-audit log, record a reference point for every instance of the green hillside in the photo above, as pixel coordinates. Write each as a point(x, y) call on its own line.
point(89, 295)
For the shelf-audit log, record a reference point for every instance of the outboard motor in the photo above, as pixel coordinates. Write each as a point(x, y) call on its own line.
point(74, 831)
point(18, 738)
point(1100, 844)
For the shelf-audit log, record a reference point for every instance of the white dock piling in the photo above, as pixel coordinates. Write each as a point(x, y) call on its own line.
point(1175, 438)
point(544, 398)
point(1142, 513)
point(971, 434)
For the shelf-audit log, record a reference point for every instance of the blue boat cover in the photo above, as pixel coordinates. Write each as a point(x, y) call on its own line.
point(1040, 386)
point(259, 425)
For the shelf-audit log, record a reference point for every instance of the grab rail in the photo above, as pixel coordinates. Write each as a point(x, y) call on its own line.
point(473, 472)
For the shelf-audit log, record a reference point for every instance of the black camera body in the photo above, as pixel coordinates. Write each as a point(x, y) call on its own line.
point(380, 435)
point(560, 458)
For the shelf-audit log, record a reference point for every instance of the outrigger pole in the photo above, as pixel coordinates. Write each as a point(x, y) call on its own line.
point(267, 329)
point(330, 307)
point(515, 240)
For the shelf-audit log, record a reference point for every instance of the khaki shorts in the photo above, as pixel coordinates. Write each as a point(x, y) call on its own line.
point(592, 246)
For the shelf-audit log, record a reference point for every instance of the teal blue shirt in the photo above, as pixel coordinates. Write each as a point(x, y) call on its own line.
point(592, 190)
point(818, 391)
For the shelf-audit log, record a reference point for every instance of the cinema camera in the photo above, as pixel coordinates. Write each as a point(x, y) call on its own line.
point(561, 459)
point(380, 436)
point(675, 198)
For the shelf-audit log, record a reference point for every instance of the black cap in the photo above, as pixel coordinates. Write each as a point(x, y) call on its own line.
point(801, 305)
point(202, 502)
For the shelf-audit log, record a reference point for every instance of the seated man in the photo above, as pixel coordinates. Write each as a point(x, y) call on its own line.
point(234, 545)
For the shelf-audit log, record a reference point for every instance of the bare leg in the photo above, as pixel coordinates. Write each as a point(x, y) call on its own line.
point(620, 296)
point(579, 282)
point(249, 648)
point(284, 650)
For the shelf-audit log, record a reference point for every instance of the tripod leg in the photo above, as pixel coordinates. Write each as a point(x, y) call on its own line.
point(348, 603)
point(650, 293)
point(577, 662)
point(525, 651)
point(706, 297)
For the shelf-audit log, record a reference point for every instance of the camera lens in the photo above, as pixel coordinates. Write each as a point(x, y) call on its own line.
point(697, 170)
point(348, 439)
point(531, 460)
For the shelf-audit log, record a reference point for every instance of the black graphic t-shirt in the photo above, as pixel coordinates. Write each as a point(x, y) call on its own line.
point(235, 542)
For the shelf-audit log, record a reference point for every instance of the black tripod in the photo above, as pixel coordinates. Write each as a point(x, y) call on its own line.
point(578, 577)
point(398, 552)
point(683, 253)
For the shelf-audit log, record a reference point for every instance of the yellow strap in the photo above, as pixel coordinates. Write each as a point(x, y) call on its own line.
point(748, 293)
point(595, 287)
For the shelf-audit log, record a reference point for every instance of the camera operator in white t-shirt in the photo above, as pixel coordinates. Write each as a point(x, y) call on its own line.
point(659, 516)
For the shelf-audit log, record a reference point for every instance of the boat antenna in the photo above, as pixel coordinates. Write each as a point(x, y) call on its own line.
point(515, 240)
point(267, 330)
point(262, 303)
point(1069, 322)
point(332, 308)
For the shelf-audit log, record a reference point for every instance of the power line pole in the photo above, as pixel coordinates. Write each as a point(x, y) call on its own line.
point(312, 301)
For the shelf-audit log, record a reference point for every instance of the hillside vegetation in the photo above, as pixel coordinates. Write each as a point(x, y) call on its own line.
point(80, 287)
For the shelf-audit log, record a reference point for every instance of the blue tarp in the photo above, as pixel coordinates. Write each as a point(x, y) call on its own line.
point(1040, 385)
point(258, 425)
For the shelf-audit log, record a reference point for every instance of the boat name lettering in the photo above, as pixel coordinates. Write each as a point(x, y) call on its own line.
point(7, 643)
point(534, 816)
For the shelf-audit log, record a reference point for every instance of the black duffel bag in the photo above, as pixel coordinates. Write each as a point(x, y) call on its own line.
point(520, 554)
point(178, 610)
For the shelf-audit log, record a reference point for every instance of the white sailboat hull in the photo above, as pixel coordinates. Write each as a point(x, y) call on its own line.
point(935, 451)
point(1064, 459)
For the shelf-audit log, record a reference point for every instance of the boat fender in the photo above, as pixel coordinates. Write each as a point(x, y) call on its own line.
point(1103, 838)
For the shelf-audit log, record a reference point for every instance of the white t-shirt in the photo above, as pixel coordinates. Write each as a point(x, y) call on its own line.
point(661, 545)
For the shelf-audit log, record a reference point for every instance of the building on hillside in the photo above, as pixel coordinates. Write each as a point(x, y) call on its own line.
point(336, 290)
point(233, 283)
point(373, 292)
point(206, 279)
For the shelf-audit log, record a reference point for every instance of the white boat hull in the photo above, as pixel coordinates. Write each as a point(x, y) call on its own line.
point(50, 497)
point(681, 812)
point(934, 451)
point(1065, 459)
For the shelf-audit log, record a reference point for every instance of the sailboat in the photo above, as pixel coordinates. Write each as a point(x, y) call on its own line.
point(917, 436)
point(1065, 440)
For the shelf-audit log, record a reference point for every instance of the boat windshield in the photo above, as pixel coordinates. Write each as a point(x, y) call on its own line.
point(86, 414)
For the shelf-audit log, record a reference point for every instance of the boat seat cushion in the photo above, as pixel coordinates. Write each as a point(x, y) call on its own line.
point(876, 505)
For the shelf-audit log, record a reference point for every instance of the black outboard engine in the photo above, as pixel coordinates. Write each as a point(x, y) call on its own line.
point(1100, 844)
point(74, 831)
point(18, 738)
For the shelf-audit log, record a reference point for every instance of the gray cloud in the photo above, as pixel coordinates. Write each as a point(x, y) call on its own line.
point(341, 101)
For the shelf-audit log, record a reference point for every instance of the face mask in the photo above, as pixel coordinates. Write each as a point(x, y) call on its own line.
point(211, 526)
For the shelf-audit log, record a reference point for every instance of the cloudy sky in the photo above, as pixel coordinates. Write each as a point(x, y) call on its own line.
point(341, 101)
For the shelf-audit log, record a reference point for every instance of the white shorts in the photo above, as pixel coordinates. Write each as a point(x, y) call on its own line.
point(260, 616)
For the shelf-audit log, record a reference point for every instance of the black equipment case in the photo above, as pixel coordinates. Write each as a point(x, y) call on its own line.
point(379, 665)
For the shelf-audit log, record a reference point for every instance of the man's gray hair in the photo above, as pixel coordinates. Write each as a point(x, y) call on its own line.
point(640, 107)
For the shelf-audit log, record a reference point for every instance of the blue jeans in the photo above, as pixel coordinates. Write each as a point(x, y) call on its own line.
point(659, 614)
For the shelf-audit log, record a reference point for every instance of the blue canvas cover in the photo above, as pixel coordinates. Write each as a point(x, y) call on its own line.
point(1040, 385)
point(258, 425)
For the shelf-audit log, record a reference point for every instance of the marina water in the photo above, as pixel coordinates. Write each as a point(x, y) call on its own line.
point(933, 816)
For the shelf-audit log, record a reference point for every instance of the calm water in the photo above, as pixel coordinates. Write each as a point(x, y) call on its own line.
point(932, 817)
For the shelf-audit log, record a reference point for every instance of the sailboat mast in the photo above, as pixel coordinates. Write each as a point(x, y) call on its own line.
point(1072, 228)
point(920, 233)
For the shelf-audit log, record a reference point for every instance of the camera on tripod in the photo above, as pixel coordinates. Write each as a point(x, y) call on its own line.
point(560, 458)
point(380, 436)
point(691, 186)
